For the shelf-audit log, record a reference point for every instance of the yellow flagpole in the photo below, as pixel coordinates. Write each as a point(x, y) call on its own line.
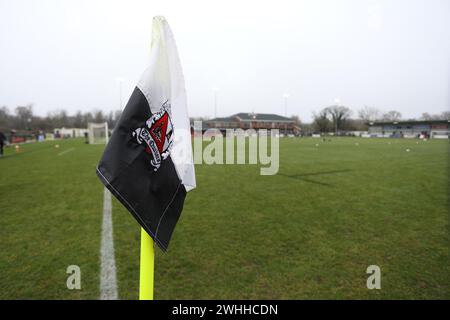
point(147, 267)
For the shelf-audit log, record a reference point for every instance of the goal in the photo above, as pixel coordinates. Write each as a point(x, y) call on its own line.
point(98, 133)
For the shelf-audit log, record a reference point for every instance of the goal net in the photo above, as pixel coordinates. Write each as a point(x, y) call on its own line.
point(98, 133)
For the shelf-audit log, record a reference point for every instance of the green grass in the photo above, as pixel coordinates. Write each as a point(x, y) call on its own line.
point(50, 217)
point(309, 232)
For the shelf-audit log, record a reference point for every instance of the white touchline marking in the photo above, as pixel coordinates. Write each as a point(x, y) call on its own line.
point(65, 151)
point(108, 282)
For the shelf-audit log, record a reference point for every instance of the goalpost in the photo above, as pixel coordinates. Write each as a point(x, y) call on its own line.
point(98, 133)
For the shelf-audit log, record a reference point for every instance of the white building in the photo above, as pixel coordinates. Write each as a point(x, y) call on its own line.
point(437, 129)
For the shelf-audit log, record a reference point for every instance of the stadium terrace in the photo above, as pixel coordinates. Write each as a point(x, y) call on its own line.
point(435, 129)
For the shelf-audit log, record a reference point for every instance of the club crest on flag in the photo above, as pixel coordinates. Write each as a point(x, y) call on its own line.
point(148, 163)
point(157, 135)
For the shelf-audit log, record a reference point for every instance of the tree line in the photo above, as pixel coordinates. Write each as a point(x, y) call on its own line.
point(23, 118)
point(330, 119)
point(339, 118)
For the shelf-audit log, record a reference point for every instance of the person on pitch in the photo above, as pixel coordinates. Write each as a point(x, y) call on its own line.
point(2, 143)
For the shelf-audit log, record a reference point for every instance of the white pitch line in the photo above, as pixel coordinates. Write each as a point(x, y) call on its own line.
point(65, 151)
point(108, 282)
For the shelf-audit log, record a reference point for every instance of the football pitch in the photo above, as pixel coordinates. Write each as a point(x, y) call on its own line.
point(310, 232)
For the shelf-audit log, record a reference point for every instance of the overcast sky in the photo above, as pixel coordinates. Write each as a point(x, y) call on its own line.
point(387, 54)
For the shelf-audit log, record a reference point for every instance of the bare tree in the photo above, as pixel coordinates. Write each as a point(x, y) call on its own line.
point(445, 115)
point(321, 122)
point(59, 119)
point(392, 115)
point(369, 114)
point(88, 117)
point(442, 116)
point(4, 116)
point(427, 116)
point(99, 116)
point(339, 114)
point(24, 116)
point(78, 120)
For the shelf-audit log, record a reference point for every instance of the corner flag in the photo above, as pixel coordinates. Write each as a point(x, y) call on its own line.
point(148, 164)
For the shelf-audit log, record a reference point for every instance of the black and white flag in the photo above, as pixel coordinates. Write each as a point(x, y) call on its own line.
point(148, 164)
